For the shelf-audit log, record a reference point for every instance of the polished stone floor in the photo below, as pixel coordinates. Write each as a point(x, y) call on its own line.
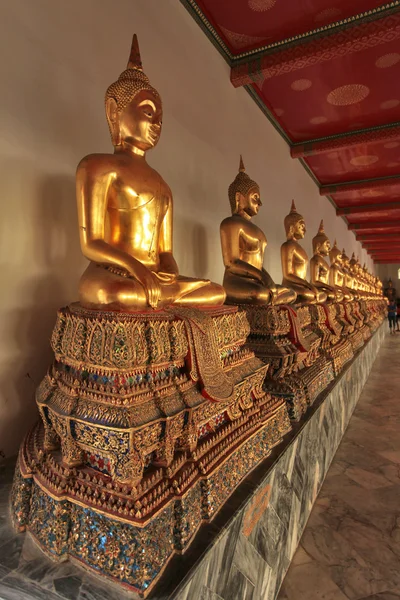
point(350, 548)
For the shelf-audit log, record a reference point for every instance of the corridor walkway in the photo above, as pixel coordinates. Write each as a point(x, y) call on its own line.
point(350, 548)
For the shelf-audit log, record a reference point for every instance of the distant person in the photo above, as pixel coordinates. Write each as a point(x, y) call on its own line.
point(392, 314)
point(398, 315)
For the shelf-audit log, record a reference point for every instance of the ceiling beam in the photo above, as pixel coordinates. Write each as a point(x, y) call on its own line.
point(343, 141)
point(374, 225)
point(339, 189)
point(380, 237)
point(391, 246)
point(368, 208)
point(353, 38)
point(385, 255)
point(394, 257)
point(371, 246)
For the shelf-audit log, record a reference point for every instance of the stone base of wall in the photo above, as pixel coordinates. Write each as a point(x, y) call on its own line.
point(250, 554)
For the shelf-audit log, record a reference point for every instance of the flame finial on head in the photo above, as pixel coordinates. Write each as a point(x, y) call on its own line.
point(321, 227)
point(241, 165)
point(293, 208)
point(135, 61)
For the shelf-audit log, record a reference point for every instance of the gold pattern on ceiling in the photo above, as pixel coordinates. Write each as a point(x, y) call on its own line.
point(346, 95)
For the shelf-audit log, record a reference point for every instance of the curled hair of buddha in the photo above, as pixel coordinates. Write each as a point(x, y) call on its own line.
point(292, 218)
point(344, 256)
point(320, 238)
point(131, 81)
point(242, 184)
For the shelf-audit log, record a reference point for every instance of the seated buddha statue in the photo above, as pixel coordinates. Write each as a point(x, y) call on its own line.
point(360, 278)
point(336, 274)
point(125, 210)
point(295, 261)
point(243, 247)
point(353, 271)
point(319, 268)
point(348, 277)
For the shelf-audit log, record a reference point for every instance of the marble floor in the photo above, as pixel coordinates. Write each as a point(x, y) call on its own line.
point(350, 548)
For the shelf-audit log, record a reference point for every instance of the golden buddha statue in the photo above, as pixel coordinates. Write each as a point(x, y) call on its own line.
point(319, 268)
point(295, 261)
point(243, 247)
point(353, 271)
point(125, 210)
point(336, 274)
point(359, 278)
point(348, 278)
point(364, 275)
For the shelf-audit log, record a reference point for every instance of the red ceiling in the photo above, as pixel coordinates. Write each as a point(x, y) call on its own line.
point(341, 85)
point(248, 24)
point(368, 217)
point(314, 102)
point(356, 162)
point(364, 197)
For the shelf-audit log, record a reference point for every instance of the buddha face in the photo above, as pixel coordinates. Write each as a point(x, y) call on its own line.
point(325, 247)
point(335, 256)
point(249, 203)
point(139, 123)
point(298, 230)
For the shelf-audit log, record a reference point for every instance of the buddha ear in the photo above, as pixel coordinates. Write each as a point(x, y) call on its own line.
point(113, 121)
point(238, 197)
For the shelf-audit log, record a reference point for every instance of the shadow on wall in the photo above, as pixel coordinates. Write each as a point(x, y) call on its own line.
point(200, 251)
point(56, 258)
point(191, 248)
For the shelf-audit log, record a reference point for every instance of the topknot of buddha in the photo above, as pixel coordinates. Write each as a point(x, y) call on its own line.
point(242, 184)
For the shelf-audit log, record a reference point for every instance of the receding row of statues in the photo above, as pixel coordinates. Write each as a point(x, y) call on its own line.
point(243, 247)
point(162, 397)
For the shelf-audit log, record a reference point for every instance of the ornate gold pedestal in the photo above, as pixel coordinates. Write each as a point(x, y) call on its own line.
point(285, 339)
point(336, 348)
point(373, 312)
point(149, 422)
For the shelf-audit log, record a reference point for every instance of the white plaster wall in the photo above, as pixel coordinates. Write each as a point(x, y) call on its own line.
point(57, 60)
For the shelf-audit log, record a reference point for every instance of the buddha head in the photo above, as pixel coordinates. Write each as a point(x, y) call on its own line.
point(295, 226)
point(353, 263)
point(321, 244)
point(133, 107)
point(345, 259)
point(335, 255)
point(244, 194)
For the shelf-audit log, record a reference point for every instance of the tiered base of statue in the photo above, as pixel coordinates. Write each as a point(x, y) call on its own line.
point(305, 347)
point(284, 338)
point(149, 422)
